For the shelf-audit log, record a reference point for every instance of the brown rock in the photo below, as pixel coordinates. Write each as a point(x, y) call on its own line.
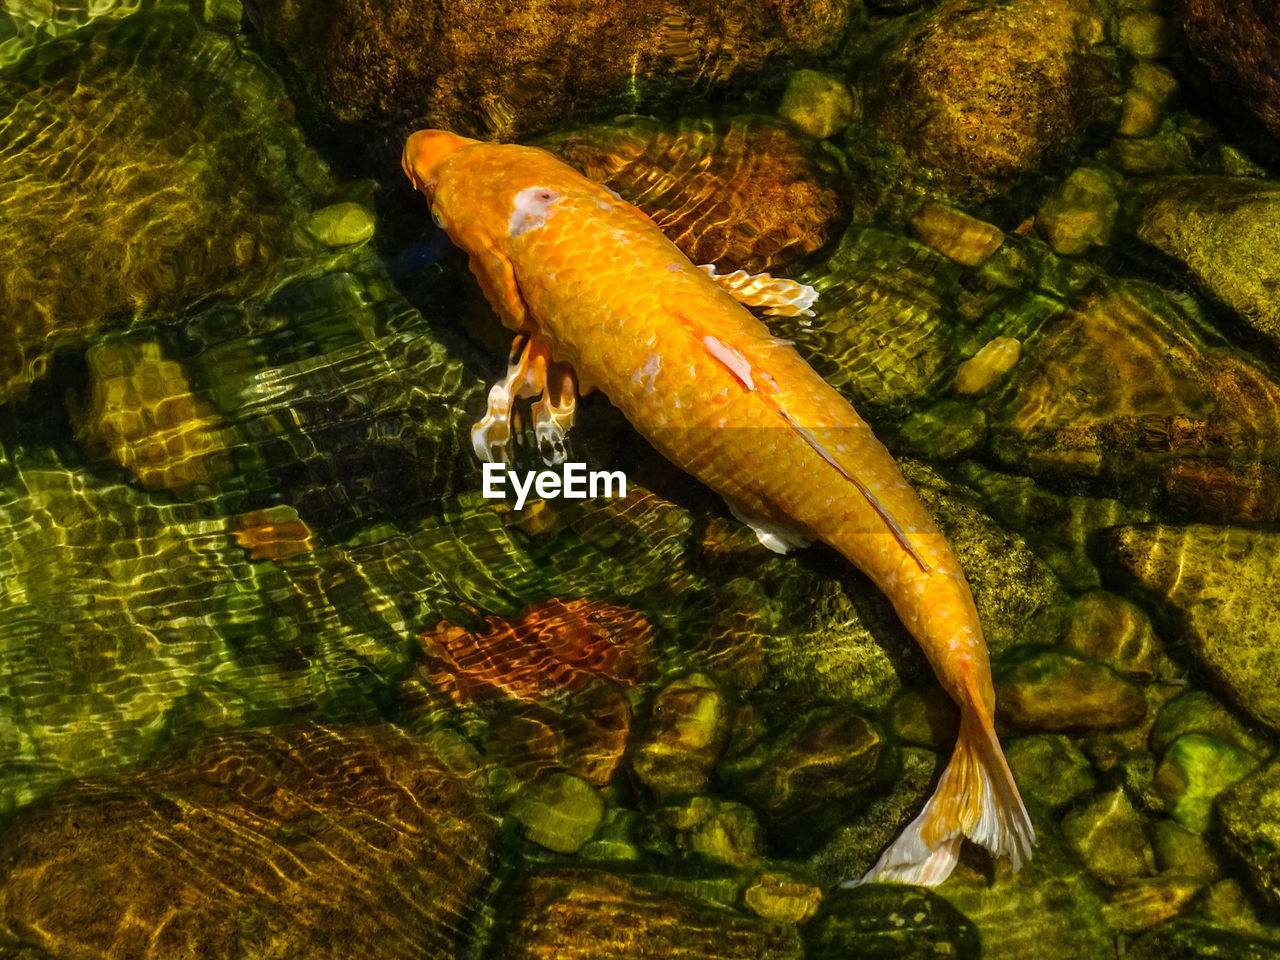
point(1240, 42)
point(979, 93)
point(587, 915)
point(276, 533)
point(306, 842)
point(505, 69)
point(745, 193)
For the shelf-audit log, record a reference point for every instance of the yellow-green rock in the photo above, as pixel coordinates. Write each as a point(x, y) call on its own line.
point(1109, 838)
point(687, 730)
point(561, 813)
point(341, 224)
point(818, 103)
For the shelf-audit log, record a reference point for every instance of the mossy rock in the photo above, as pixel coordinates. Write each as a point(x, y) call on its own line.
point(884, 921)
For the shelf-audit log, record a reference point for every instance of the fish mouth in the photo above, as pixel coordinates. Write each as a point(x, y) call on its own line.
point(424, 151)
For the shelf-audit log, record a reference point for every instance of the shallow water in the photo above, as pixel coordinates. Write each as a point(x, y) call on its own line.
point(277, 680)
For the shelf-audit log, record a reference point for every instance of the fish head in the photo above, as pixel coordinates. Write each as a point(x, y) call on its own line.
point(424, 152)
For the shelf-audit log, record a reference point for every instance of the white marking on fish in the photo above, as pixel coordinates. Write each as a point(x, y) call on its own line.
point(531, 209)
point(733, 361)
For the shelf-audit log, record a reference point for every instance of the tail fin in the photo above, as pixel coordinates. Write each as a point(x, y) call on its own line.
point(976, 798)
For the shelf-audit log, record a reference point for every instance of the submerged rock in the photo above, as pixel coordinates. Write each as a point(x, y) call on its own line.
point(956, 235)
point(1051, 690)
point(1219, 580)
point(1249, 823)
point(585, 915)
point(983, 370)
point(1081, 213)
point(303, 842)
point(147, 164)
point(1198, 711)
point(687, 731)
point(1196, 768)
point(1240, 42)
point(743, 194)
point(714, 831)
point(1122, 388)
point(810, 777)
point(818, 103)
point(1226, 231)
point(778, 898)
point(1115, 631)
point(1197, 940)
point(1049, 769)
point(140, 412)
point(882, 921)
point(1109, 838)
point(1150, 901)
point(977, 94)
point(552, 646)
point(561, 813)
point(505, 70)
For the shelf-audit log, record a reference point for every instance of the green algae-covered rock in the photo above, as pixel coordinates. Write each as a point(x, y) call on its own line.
point(810, 776)
point(1226, 230)
point(1194, 770)
point(1109, 837)
point(561, 813)
point(1115, 631)
point(341, 224)
point(1198, 711)
point(149, 163)
point(779, 897)
point(1182, 852)
point(1220, 582)
point(717, 831)
point(1150, 901)
point(979, 94)
point(1196, 940)
point(1048, 910)
point(586, 915)
point(889, 921)
point(818, 103)
point(856, 845)
point(1049, 769)
point(1124, 387)
point(926, 717)
point(1249, 823)
point(687, 730)
point(309, 841)
point(1052, 690)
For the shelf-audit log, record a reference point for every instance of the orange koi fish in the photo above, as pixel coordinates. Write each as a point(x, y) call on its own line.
point(600, 298)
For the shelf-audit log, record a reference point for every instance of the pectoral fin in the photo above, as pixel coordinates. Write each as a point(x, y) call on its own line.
point(779, 296)
point(775, 536)
point(530, 373)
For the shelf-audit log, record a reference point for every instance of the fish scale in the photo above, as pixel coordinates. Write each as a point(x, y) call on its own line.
point(566, 262)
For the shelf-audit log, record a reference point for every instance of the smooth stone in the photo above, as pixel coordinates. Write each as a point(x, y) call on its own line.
point(1080, 214)
point(781, 899)
point(1142, 904)
point(1197, 940)
point(687, 730)
point(983, 370)
point(1194, 769)
point(1049, 690)
point(1226, 232)
point(1049, 769)
point(955, 234)
point(1144, 34)
point(561, 813)
point(818, 103)
point(341, 224)
point(717, 831)
point(1154, 80)
point(1182, 852)
point(1109, 838)
point(590, 915)
point(1198, 711)
point(1115, 631)
point(926, 717)
point(1139, 114)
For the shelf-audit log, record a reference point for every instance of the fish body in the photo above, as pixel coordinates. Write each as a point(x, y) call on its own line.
point(569, 265)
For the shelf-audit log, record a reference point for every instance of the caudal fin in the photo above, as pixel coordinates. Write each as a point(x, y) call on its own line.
point(976, 798)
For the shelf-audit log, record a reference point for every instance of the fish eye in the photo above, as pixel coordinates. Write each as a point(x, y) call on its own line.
point(439, 220)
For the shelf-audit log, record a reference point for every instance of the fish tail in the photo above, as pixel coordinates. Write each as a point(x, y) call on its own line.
point(975, 798)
